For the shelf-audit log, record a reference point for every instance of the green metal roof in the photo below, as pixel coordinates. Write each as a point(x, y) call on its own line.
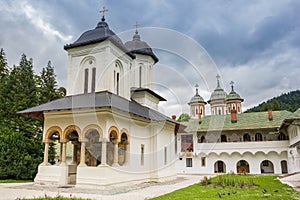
point(218, 94)
point(296, 114)
point(233, 96)
point(255, 120)
point(196, 98)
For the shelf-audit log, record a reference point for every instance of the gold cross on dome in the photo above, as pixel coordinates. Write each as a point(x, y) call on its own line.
point(136, 26)
point(103, 11)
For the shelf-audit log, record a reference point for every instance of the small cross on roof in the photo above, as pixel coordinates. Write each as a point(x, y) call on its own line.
point(232, 83)
point(136, 26)
point(103, 11)
point(218, 80)
point(196, 86)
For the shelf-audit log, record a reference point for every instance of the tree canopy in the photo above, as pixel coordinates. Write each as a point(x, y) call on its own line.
point(288, 101)
point(184, 117)
point(21, 148)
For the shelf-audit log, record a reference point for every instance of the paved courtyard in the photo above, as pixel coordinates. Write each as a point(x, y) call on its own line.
point(132, 192)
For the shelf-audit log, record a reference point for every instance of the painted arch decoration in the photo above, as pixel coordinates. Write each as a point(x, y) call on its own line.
point(52, 130)
point(70, 129)
point(92, 127)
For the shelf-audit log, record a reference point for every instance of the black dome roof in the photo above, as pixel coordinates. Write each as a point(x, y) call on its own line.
point(140, 47)
point(99, 34)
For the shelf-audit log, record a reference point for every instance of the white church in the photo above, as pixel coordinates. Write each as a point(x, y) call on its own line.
point(109, 117)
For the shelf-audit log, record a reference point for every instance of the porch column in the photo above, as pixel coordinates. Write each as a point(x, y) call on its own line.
point(127, 154)
point(60, 152)
point(82, 154)
point(63, 154)
point(116, 155)
point(103, 152)
point(46, 152)
point(74, 160)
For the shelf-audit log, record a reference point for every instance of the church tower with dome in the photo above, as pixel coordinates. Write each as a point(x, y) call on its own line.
point(220, 102)
point(197, 105)
point(107, 129)
point(233, 101)
point(217, 100)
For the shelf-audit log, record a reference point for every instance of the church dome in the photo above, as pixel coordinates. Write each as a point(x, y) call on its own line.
point(233, 95)
point(100, 33)
point(136, 45)
point(218, 94)
point(196, 98)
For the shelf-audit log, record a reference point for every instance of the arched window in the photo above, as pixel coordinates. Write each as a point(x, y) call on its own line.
point(219, 167)
point(113, 139)
point(258, 137)
point(140, 76)
point(88, 65)
point(281, 136)
point(86, 80)
point(202, 139)
point(122, 148)
point(223, 138)
point(246, 137)
point(117, 77)
point(243, 167)
point(93, 79)
point(284, 168)
point(267, 166)
point(92, 146)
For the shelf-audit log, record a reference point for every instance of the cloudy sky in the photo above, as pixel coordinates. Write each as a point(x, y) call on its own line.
point(254, 43)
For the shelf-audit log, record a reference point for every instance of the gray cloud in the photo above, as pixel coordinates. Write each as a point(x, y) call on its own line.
point(254, 43)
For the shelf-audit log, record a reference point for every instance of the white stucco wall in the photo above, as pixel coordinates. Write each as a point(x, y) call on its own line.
point(154, 136)
point(231, 153)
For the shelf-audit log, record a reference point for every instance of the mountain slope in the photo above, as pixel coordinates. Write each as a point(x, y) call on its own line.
point(288, 101)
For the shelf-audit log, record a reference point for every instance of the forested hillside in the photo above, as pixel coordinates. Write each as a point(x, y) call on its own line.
point(289, 101)
point(21, 148)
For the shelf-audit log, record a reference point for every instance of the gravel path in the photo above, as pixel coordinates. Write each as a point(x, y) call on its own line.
point(132, 192)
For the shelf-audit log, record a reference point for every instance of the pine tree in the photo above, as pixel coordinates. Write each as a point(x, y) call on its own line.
point(20, 91)
point(48, 86)
point(4, 71)
point(48, 92)
point(21, 149)
point(264, 107)
point(3, 64)
point(20, 155)
point(20, 144)
point(275, 105)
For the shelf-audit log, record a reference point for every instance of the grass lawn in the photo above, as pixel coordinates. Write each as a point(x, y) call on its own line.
point(14, 181)
point(236, 187)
